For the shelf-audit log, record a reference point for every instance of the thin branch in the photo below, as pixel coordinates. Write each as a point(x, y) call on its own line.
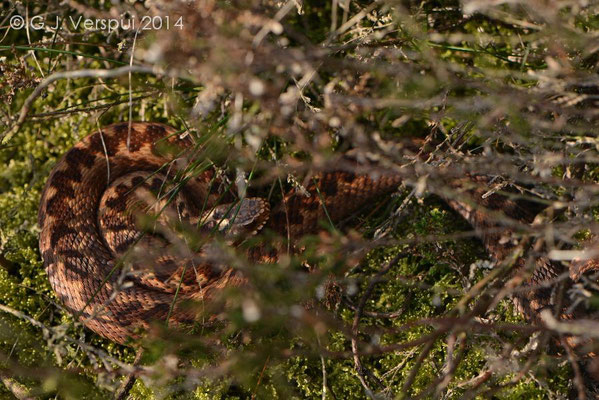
point(360, 369)
point(83, 73)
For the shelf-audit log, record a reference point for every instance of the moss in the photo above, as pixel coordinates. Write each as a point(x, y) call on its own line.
point(427, 283)
point(404, 291)
point(28, 291)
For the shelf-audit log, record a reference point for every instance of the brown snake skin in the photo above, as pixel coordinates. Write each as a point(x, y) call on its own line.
point(87, 226)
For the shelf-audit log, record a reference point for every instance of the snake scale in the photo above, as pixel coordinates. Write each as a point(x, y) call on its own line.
point(87, 226)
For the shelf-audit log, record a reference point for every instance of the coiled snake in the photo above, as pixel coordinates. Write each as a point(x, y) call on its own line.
point(87, 226)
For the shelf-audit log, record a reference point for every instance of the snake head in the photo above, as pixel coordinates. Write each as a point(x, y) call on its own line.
point(236, 220)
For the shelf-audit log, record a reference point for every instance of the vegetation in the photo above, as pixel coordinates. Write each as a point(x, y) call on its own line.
point(505, 89)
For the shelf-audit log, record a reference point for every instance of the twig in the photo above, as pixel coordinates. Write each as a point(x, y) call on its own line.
point(578, 380)
point(584, 328)
point(355, 327)
point(49, 331)
point(17, 389)
point(260, 377)
point(126, 386)
point(129, 78)
point(83, 73)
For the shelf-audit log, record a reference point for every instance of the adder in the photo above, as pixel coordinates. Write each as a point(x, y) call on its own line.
point(89, 227)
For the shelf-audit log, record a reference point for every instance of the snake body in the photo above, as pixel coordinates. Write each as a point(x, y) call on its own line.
point(87, 226)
